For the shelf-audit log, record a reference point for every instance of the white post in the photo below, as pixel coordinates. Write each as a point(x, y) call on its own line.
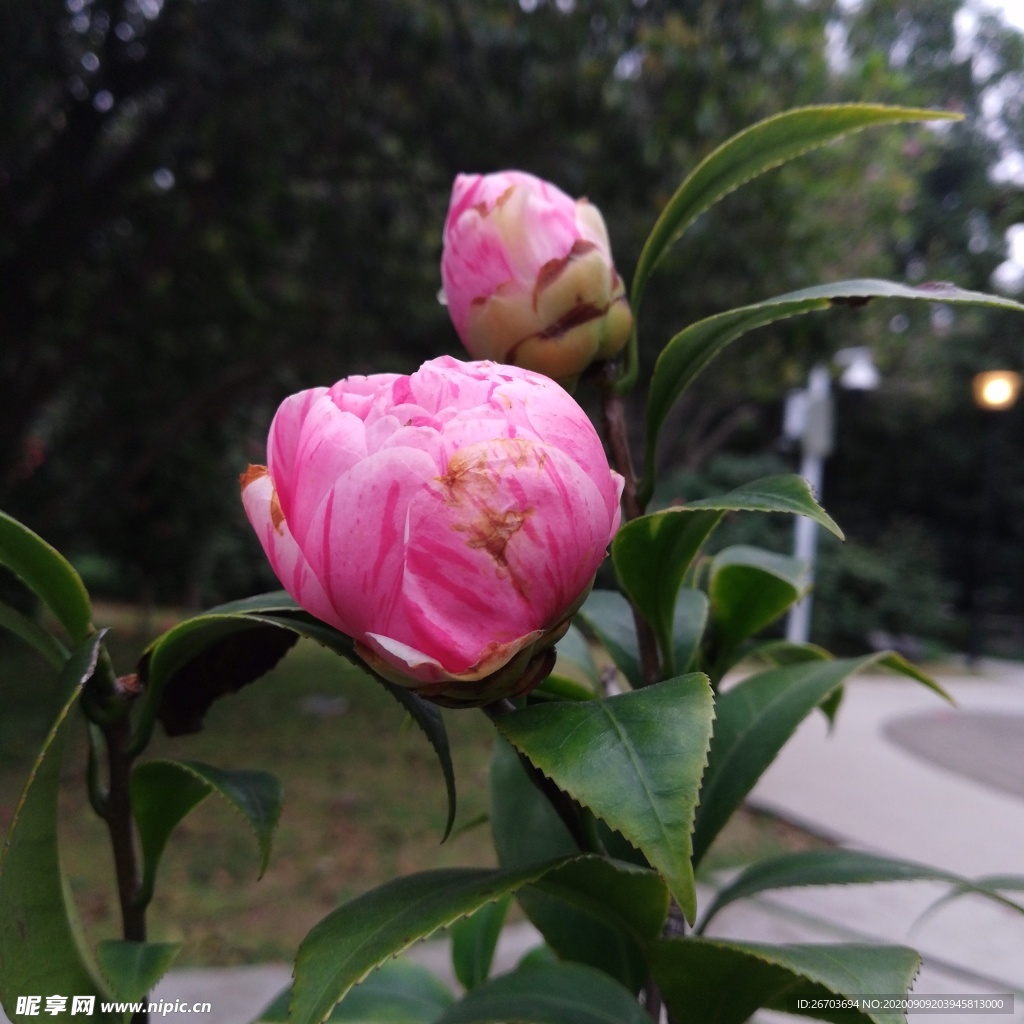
point(816, 445)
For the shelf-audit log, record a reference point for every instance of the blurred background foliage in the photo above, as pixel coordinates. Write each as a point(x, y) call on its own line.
point(207, 205)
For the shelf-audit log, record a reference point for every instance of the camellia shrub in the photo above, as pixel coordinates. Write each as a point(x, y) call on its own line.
point(442, 530)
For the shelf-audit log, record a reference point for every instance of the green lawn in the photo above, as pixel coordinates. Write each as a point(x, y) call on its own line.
point(364, 801)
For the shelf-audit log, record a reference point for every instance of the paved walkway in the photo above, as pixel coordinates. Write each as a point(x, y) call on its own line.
point(902, 773)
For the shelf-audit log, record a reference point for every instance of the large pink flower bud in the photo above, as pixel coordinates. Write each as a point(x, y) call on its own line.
point(450, 521)
point(528, 275)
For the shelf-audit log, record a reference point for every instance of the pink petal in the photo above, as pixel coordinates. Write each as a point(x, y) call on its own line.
point(497, 550)
point(287, 561)
point(355, 541)
point(284, 440)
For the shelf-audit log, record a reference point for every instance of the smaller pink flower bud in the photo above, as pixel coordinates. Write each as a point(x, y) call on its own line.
point(528, 276)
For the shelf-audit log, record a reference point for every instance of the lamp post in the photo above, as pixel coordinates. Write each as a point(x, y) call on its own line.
point(810, 419)
point(995, 391)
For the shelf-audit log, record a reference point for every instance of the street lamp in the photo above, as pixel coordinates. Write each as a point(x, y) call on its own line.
point(810, 419)
point(994, 391)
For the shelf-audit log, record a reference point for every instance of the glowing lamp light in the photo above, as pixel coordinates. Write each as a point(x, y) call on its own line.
point(997, 389)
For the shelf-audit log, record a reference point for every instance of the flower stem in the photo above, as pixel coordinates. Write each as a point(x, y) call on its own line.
point(616, 432)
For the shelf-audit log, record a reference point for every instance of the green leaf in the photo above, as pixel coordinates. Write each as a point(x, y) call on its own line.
point(635, 760)
point(199, 660)
point(989, 885)
point(749, 588)
point(40, 951)
point(833, 867)
point(786, 652)
point(527, 829)
point(631, 898)
point(760, 148)
point(431, 723)
point(786, 492)
point(258, 604)
point(350, 942)
point(44, 643)
point(652, 554)
point(725, 982)
point(753, 721)
point(164, 792)
point(575, 668)
point(133, 968)
point(688, 625)
point(398, 992)
point(220, 651)
point(559, 993)
point(48, 574)
point(474, 940)
point(607, 614)
point(692, 349)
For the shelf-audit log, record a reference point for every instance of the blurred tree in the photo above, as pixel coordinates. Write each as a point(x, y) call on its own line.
point(204, 206)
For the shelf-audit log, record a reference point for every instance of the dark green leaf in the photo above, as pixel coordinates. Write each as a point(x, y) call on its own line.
point(40, 948)
point(397, 992)
point(725, 982)
point(688, 625)
point(431, 722)
point(164, 792)
point(48, 574)
point(652, 554)
point(831, 867)
point(221, 651)
point(527, 829)
point(45, 644)
point(559, 993)
point(350, 942)
point(761, 147)
point(199, 660)
point(474, 940)
point(749, 588)
point(607, 614)
point(133, 968)
point(753, 721)
point(635, 760)
point(692, 349)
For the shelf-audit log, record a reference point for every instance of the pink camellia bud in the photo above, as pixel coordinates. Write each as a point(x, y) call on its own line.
point(450, 521)
point(528, 275)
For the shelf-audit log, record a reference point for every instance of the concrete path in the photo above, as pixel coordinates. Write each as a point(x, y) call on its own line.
point(902, 773)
